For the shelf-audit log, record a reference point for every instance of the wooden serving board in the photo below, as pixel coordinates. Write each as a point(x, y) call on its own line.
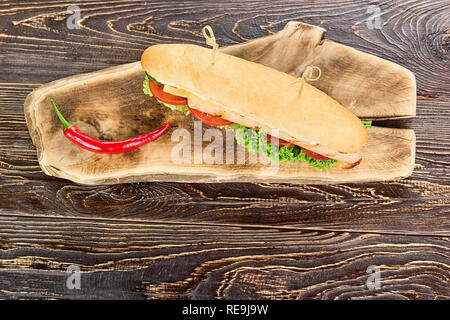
point(109, 104)
point(371, 87)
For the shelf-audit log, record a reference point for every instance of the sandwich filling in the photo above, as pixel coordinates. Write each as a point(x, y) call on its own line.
point(248, 133)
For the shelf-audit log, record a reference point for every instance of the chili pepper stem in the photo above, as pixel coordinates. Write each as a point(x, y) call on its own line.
point(66, 124)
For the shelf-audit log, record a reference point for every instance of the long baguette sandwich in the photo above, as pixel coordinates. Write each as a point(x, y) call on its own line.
point(258, 102)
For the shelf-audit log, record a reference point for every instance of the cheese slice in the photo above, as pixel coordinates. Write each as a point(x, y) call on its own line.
point(187, 94)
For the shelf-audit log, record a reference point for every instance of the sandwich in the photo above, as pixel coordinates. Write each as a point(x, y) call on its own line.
point(270, 111)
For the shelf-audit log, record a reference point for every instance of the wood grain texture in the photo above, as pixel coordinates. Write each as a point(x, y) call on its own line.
point(121, 30)
point(110, 105)
point(164, 261)
point(48, 223)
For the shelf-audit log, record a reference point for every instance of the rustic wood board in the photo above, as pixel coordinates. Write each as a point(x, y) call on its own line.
point(100, 104)
point(110, 104)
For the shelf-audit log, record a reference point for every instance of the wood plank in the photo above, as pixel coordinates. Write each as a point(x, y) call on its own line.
point(123, 260)
point(412, 34)
point(412, 208)
point(109, 104)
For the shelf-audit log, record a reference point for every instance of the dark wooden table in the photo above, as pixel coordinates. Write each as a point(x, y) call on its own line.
point(226, 241)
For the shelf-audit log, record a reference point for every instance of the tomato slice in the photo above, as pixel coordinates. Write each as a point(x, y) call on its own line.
point(281, 142)
point(314, 155)
point(209, 119)
point(165, 97)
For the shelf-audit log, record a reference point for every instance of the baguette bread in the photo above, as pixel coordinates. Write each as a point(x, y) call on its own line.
point(262, 94)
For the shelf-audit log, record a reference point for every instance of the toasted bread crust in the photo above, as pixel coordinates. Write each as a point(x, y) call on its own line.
point(260, 93)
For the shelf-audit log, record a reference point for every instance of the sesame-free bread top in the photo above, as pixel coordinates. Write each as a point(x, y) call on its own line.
point(263, 94)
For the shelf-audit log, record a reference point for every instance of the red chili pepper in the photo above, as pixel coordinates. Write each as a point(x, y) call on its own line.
point(96, 145)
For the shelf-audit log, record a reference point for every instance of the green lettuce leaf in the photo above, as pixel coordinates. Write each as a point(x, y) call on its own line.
point(367, 123)
point(255, 141)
